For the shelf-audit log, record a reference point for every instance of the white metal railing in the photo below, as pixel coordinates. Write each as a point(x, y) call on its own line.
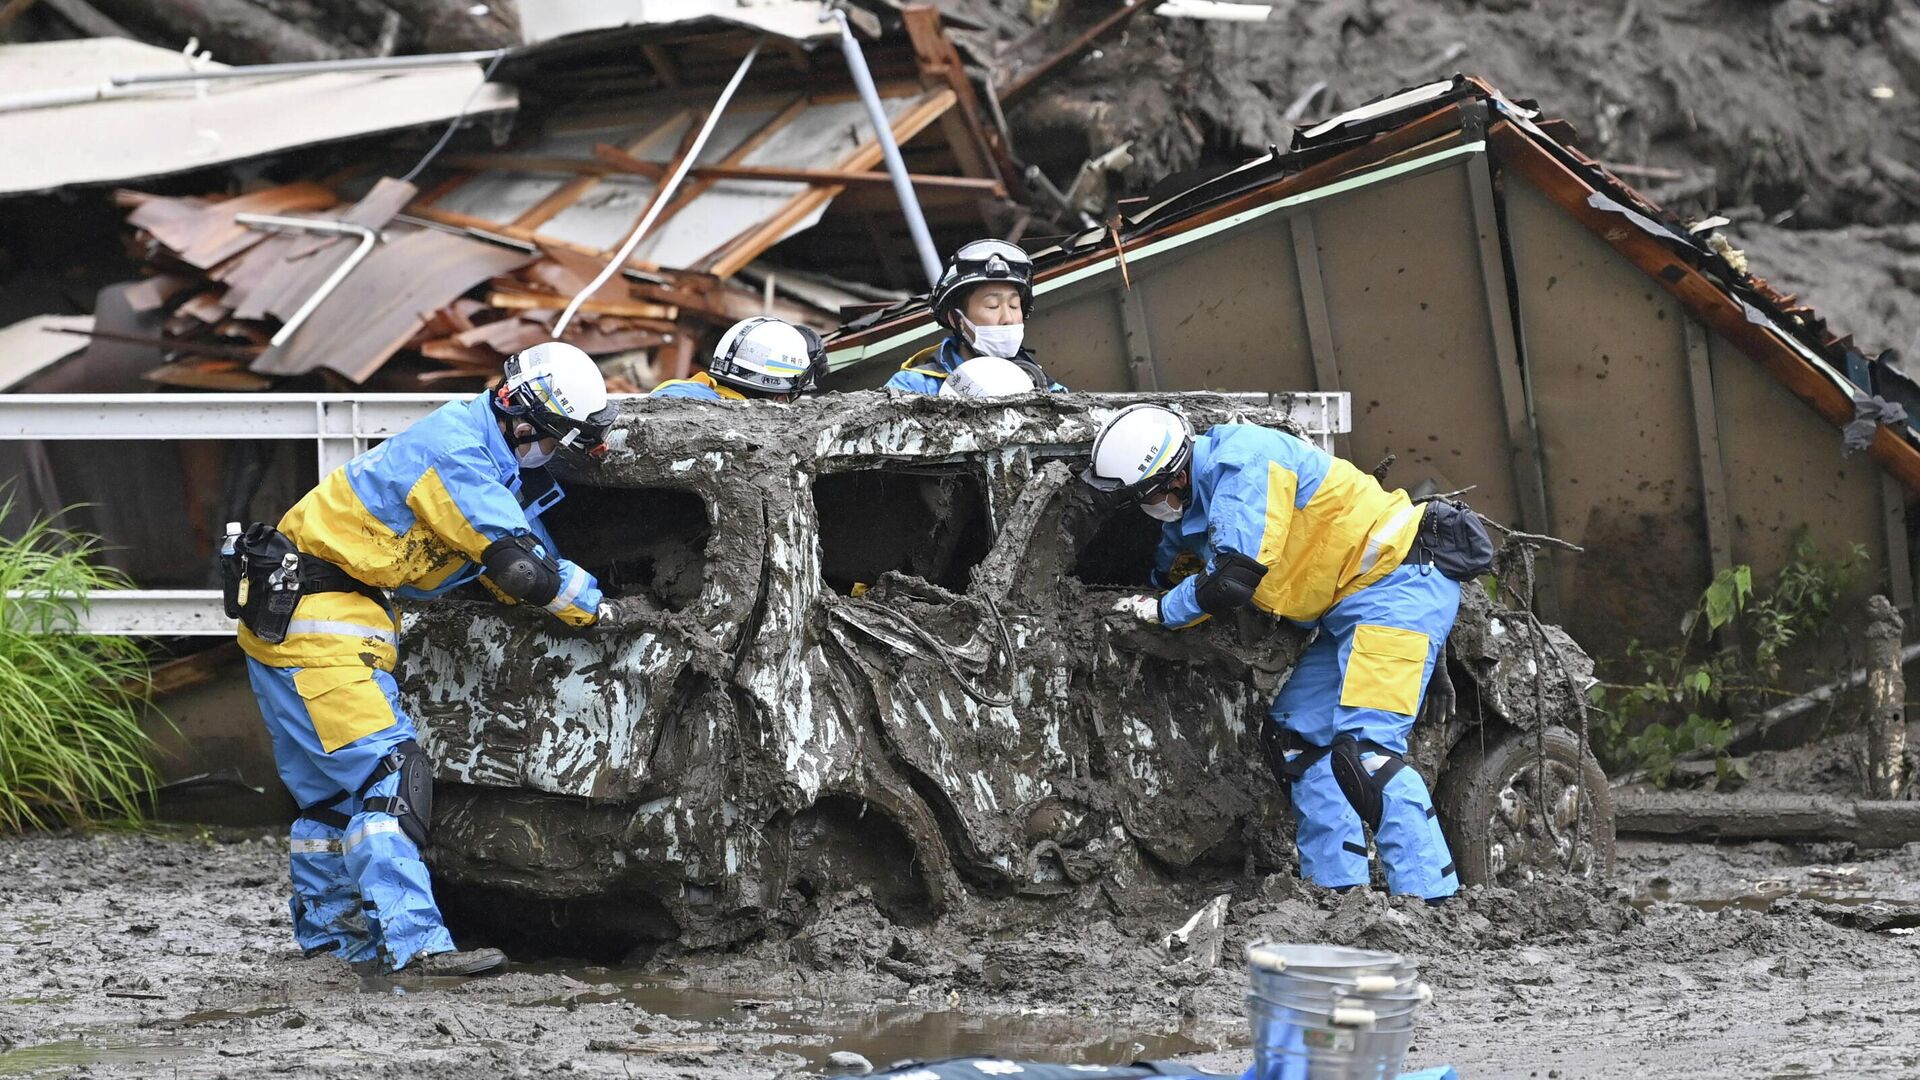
point(339, 426)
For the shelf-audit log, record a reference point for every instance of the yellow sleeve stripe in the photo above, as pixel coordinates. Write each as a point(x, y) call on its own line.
point(1282, 485)
point(433, 504)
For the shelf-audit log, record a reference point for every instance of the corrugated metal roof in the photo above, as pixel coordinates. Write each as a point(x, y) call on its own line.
point(786, 131)
point(546, 20)
point(137, 133)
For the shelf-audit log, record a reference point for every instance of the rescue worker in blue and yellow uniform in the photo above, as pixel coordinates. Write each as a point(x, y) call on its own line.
point(1303, 535)
point(455, 497)
point(983, 298)
point(761, 357)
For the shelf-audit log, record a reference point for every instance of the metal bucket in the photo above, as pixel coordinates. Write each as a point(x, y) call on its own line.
point(1328, 1013)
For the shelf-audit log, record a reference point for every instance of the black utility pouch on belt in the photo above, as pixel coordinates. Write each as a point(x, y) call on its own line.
point(1453, 541)
point(262, 555)
point(269, 576)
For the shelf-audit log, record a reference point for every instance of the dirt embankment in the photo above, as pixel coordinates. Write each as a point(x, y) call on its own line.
point(1802, 113)
point(135, 956)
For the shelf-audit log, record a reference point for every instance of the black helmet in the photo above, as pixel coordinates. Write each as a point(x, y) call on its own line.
point(980, 262)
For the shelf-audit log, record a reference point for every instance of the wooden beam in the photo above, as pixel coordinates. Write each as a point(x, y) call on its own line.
point(978, 152)
point(1313, 305)
point(747, 247)
point(1029, 76)
point(1713, 306)
point(1143, 373)
point(796, 54)
point(1706, 434)
point(663, 65)
point(83, 17)
point(528, 163)
point(617, 160)
point(695, 187)
point(981, 186)
point(550, 207)
point(1893, 508)
point(631, 309)
point(1510, 363)
point(13, 10)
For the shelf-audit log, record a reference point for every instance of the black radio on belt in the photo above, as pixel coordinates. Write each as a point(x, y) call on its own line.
point(263, 576)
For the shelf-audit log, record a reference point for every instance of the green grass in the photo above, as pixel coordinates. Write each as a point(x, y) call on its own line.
point(71, 747)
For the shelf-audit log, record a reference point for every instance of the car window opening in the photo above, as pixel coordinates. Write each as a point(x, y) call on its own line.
point(639, 541)
point(926, 523)
point(1120, 551)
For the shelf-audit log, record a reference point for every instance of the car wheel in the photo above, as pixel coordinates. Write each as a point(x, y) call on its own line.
point(1527, 806)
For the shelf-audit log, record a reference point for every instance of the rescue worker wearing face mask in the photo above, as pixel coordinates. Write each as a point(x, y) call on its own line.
point(1298, 533)
point(454, 498)
point(761, 357)
point(983, 299)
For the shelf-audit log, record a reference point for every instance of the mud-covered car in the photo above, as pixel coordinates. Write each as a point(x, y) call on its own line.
point(884, 658)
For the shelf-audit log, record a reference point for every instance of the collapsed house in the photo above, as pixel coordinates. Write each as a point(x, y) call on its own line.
point(1507, 314)
point(286, 241)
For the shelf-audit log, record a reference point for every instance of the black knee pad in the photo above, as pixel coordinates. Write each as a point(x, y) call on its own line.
point(1363, 789)
point(1276, 743)
point(412, 802)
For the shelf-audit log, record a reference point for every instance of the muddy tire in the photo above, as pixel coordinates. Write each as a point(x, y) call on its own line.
point(1490, 806)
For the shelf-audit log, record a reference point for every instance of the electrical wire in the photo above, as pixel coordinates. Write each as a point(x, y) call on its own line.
point(660, 197)
point(447, 135)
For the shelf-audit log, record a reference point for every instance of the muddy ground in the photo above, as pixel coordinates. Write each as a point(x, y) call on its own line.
point(168, 954)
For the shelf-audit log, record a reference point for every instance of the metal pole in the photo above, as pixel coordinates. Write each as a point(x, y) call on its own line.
point(883, 130)
point(367, 239)
point(311, 67)
point(661, 197)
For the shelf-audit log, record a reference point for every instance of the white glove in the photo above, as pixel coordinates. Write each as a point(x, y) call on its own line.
point(1144, 608)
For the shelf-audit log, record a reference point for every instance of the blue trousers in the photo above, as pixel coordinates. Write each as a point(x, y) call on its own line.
point(362, 890)
point(1365, 674)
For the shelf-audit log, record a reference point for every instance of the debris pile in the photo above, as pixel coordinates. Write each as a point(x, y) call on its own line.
point(238, 304)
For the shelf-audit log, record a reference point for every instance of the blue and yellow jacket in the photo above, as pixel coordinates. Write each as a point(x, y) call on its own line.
point(700, 386)
point(1323, 529)
point(412, 515)
point(925, 371)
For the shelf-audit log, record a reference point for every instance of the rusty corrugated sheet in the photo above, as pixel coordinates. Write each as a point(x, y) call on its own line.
point(386, 301)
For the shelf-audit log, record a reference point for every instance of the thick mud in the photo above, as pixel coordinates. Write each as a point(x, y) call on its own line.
point(169, 955)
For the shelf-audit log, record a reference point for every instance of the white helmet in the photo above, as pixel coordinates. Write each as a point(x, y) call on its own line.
point(1139, 452)
point(559, 391)
point(987, 377)
point(767, 356)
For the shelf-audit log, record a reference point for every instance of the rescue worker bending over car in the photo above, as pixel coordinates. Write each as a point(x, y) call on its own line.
point(1301, 534)
point(455, 497)
point(983, 299)
point(761, 357)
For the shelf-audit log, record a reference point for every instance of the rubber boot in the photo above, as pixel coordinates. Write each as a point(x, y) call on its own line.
point(457, 963)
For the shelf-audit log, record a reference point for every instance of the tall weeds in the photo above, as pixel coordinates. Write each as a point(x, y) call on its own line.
point(71, 747)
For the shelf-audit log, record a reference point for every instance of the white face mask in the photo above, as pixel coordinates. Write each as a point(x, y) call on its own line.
point(1163, 510)
point(1001, 341)
point(531, 456)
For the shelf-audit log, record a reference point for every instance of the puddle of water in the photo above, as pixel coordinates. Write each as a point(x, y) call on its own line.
point(883, 1034)
point(1760, 898)
point(215, 1016)
point(28, 1060)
